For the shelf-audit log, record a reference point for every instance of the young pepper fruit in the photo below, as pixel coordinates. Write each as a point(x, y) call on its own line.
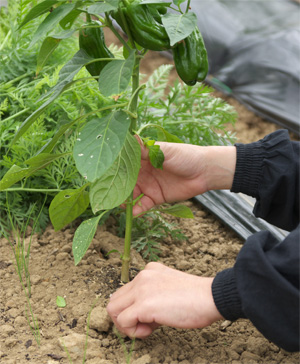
point(144, 25)
point(92, 41)
point(190, 58)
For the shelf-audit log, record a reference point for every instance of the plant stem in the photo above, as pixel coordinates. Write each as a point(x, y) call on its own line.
point(188, 6)
point(15, 115)
point(127, 243)
point(22, 189)
point(112, 28)
point(129, 205)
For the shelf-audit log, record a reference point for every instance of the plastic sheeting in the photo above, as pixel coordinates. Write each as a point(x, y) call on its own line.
point(254, 54)
point(235, 210)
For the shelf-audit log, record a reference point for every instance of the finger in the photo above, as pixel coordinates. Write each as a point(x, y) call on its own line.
point(143, 205)
point(129, 319)
point(118, 304)
point(121, 291)
point(144, 330)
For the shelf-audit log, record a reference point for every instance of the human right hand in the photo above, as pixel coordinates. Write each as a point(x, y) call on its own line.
point(160, 295)
point(188, 170)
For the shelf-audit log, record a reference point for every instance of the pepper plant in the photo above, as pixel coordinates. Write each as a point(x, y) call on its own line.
point(107, 153)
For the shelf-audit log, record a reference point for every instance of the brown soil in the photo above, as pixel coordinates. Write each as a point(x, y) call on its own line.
point(210, 248)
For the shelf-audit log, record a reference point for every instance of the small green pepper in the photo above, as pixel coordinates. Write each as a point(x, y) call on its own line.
point(144, 28)
point(190, 58)
point(92, 41)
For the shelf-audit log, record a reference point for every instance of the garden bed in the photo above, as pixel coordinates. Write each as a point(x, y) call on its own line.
point(210, 247)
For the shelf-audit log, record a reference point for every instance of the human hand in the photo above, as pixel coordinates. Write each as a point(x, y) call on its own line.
point(188, 170)
point(159, 295)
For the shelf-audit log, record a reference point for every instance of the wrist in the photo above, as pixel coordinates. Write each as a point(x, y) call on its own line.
point(220, 167)
point(213, 313)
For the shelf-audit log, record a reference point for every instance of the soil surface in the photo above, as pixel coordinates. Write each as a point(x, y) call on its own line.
point(210, 247)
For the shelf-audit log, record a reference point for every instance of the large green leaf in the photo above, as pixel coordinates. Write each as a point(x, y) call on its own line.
point(66, 76)
point(99, 144)
point(179, 26)
point(51, 21)
point(115, 76)
point(38, 10)
point(67, 206)
point(84, 236)
point(113, 188)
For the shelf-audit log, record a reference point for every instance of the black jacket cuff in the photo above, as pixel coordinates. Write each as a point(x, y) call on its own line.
point(226, 297)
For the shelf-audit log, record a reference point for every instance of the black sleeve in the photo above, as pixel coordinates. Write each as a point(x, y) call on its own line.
point(263, 285)
point(269, 171)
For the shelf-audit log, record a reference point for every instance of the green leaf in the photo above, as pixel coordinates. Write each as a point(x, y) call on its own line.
point(60, 302)
point(114, 187)
point(115, 76)
point(51, 21)
point(178, 211)
point(66, 76)
point(43, 159)
point(48, 147)
point(67, 206)
point(164, 136)
point(13, 175)
point(179, 26)
point(178, 2)
point(16, 173)
point(38, 10)
point(48, 47)
point(156, 156)
point(84, 236)
point(99, 144)
point(69, 19)
point(105, 6)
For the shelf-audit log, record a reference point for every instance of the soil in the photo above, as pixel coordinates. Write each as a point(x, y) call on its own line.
point(210, 247)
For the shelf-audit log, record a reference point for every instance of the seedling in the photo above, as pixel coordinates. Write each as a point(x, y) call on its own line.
point(106, 152)
point(21, 252)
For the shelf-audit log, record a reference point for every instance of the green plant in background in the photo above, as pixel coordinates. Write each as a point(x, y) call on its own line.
point(21, 246)
point(105, 152)
point(19, 90)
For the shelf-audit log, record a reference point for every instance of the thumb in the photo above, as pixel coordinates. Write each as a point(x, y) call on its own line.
point(144, 149)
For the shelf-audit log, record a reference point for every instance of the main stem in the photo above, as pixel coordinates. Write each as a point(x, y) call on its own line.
point(129, 205)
